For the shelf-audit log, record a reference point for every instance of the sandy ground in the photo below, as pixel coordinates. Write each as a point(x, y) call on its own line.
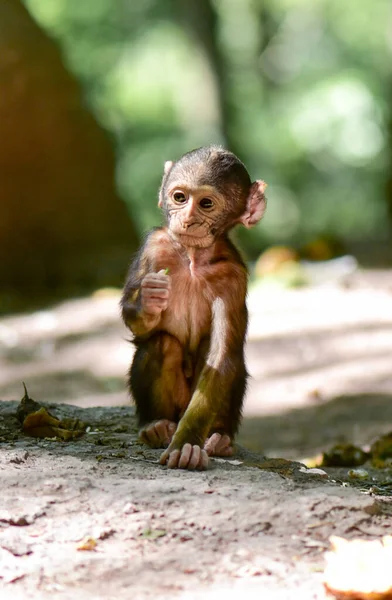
point(320, 361)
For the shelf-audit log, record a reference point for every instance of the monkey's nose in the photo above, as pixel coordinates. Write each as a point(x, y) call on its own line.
point(187, 224)
point(190, 209)
point(188, 218)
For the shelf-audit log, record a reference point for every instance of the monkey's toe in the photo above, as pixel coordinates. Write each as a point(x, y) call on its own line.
point(218, 445)
point(158, 434)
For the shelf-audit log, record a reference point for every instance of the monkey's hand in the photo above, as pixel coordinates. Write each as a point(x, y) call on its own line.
point(218, 445)
point(155, 292)
point(158, 434)
point(188, 457)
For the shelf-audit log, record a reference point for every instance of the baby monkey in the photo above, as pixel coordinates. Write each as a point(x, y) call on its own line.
point(185, 302)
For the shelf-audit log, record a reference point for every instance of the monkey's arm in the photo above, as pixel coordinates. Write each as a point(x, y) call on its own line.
point(229, 323)
point(145, 294)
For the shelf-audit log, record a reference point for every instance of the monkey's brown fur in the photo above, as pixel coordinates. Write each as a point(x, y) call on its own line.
point(184, 301)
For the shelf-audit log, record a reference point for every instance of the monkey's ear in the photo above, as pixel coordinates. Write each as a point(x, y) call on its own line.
point(166, 170)
point(256, 204)
point(168, 166)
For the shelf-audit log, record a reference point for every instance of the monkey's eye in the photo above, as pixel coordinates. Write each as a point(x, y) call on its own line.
point(206, 203)
point(179, 197)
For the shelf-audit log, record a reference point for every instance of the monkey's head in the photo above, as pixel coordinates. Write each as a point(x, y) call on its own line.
point(206, 192)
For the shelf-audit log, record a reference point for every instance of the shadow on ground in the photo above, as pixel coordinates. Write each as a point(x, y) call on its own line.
point(306, 432)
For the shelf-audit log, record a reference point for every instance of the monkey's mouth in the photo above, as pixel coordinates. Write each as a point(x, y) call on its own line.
point(196, 235)
point(197, 230)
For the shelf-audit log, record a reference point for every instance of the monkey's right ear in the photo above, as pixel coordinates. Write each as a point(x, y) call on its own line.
point(256, 204)
point(166, 170)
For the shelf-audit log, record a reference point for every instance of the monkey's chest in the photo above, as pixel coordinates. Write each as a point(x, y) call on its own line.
point(188, 316)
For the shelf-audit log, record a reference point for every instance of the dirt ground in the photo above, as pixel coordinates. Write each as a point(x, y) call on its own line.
point(320, 365)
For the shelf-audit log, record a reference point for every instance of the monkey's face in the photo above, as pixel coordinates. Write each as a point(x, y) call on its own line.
point(194, 213)
point(205, 193)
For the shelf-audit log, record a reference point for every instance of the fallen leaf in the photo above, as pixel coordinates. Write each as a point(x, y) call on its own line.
point(38, 422)
point(153, 534)
point(26, 406)
point(313, 471)
point(358, 474)
point(88, 544)
point(106, 533)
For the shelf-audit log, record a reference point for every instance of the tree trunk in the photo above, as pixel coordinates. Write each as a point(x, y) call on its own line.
point(200, 20)
point(62, 225)
point(389, 179)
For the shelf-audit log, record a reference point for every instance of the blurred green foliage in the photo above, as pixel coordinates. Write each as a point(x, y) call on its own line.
point(306, 84)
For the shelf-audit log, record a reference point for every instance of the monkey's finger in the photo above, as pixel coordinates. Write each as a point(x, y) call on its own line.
point(155, 303)
point(185, 457)
point(153, 309)
point(155, 280)
point(150, 437)
point(219, 445)
point(154, 288)
point(199, 459)
point(226, 451)
point(174, 458)
point(155, 285)
point(212, 443)
point(194, 458)
point(162, 431)
point(161, 293)
point(223, 445)
point(203, 462)
point(153, 300)
point(171, 428)
point(164, 456)
point(151, 295)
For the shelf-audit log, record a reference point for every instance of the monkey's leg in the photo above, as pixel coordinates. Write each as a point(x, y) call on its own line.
point(159, 388)
point(219, 442)
point(223, 431)
point(211, 398)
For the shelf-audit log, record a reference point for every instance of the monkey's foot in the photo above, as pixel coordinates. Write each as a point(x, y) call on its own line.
point(158, 434)
point(189, 457)
point(218, 445)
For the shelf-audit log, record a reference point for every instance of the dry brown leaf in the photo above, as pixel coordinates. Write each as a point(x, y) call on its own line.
point(40, 418)
point(43, 425)
point(38, 422)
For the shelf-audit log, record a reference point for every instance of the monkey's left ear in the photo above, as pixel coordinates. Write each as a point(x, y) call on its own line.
point(256, 204)
point(166, 170)
point(168, 166)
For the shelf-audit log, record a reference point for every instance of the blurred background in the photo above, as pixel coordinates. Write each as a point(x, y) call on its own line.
point(95, 95)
